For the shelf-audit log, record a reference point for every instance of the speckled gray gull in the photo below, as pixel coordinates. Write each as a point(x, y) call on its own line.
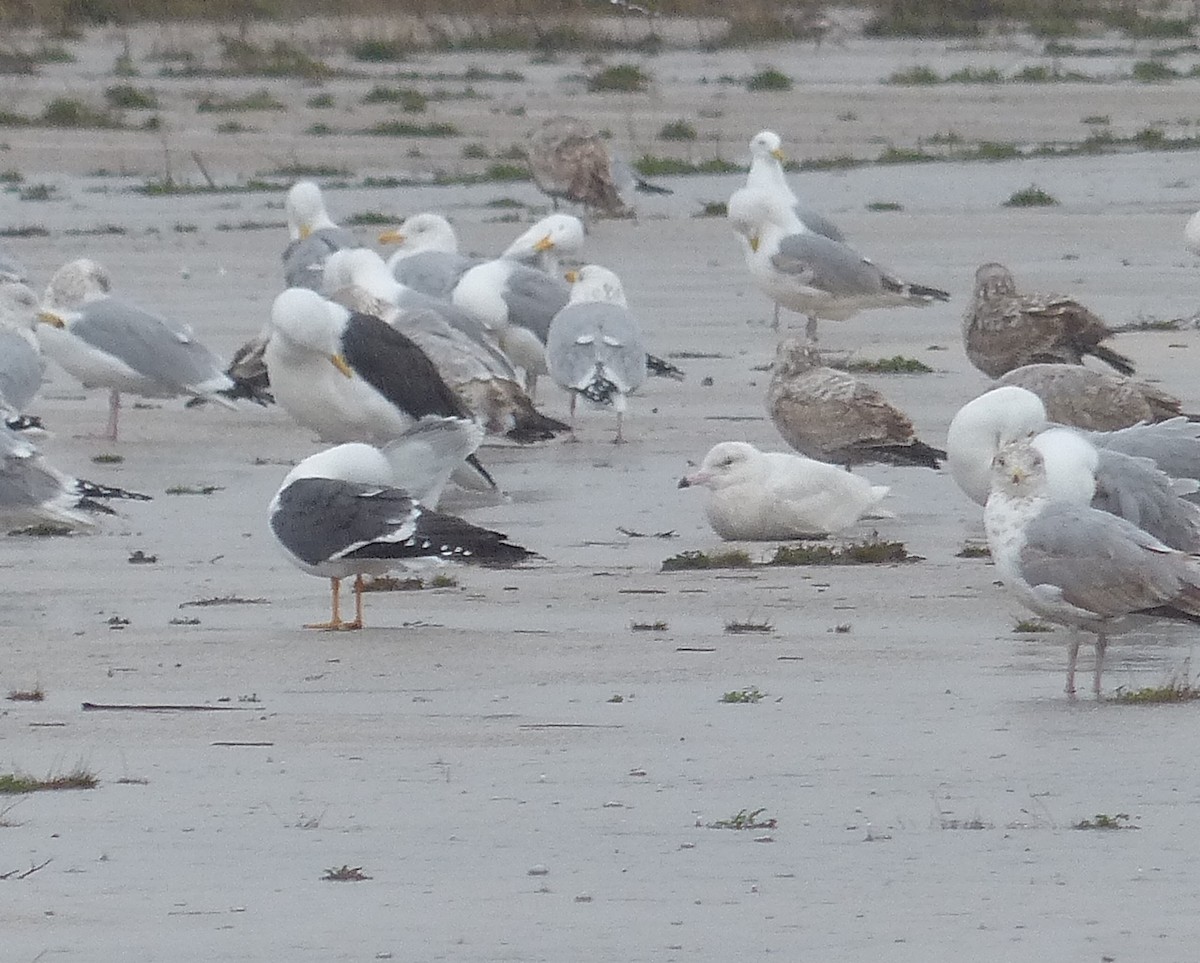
point(516, 299)
point(570, 161)
point(477, 371)
point(313, 236)
point(355, 509)
point(350, 376)
point(33, 492)
point(1010, 413)
point(1077, 566)
point(594, 349)
point(21, 362)
point(1003, 329)
point(754, 495)
point(427, 258)
point(1093, 399)
point(108, 342)
point(832, 416)
point(809, 272)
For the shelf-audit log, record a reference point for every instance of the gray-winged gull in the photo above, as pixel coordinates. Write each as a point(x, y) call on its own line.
point(32, 492)
point(355, 510)
point(1077, 566)
point(351, 376)
point(427, 258)
point(764, 496)
point(832, 416)
point(21, 363)
point(111, 343)
point(1003, 329)
point(810, 273)
point(1191, 233)
point(594, 345)
point(313, 236)
point(1010, 413)
point(1093, 399)
point(476, 370)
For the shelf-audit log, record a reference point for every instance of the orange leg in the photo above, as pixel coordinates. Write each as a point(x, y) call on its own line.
point(335, 623)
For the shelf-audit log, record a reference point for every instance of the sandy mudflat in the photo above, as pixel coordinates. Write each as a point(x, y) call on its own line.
point(923, 766)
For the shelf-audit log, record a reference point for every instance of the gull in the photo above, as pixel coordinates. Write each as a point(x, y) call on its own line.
point(108, 342)
point(809, 272)
point(33, 492)
point(570, 161)
point(594, 348)
point(356, 509)
point(477, 371)
point(1191, 233)
point(769, 496)
point(517, 298)
point(1003, 330)
point(830, 415)
point(11, 269)
point(1077, 566)
point(21, 363)
point(427, 257)
point(313, 236)
point(350, 376)
point(1110, 471)
point(1093, 399)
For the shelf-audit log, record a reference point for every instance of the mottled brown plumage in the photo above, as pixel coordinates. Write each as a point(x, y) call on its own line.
point(1094, 400)
point(569, 160)
point(1003, 329)
point(832, 416)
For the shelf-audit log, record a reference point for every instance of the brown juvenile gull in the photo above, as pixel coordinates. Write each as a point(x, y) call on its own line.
point(1077, 566)
point(832, 416)
point(773, 495)
point(809, 272)
point(355, 509)
point(1093, 399)
point(1003, 330)
point(570, 161)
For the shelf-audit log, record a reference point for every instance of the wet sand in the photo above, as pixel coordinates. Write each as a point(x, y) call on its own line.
point(522, 775)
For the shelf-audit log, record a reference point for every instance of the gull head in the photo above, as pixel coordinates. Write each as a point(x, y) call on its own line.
point(993, 280)
point(795, 356)
point(727, 463)
point(18, 306)
point(76, 283)
point(305, 210)
point(985, 425)
point(359, 267)
point(423, 232)
point(595, 283)
point(1071, 463)
point(767, 143)
point(561, 233)
point(305, 319)
point(1018, 470)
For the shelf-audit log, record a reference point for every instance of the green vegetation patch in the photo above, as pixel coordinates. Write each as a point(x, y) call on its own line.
point(870, 552)
point(12, 783)
point(897, 364)
point(699, 561)
point(769, 79)
point(619, 78)
point(1032, 196)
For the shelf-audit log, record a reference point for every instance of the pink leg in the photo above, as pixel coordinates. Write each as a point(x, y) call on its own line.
point(619, 440)
point(1072, 655)
point(114, 409)
point(572, 436)
point(1101, 648)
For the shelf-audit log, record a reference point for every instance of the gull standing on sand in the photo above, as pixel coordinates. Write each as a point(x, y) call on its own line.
point(1191, 234)
point(594, 345)
point(1092, 399)
point(477, 371)
point(832, 416)
point(808, 272)
point(355, 510)
point(1082, 568)
point(32, 492)
point(313, 236)
point(427, 257)
point(352, 377)
point(753, 495)
point(1003, 330)
point(570, 161)
point(516, 300)
point(107, 342)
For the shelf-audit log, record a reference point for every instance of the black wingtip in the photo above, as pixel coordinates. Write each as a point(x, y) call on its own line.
point(250, 389)
point(647, 188)
point(483, 472)
point(933, 294)
point(90, 489)
point(1114, 359)
point(533, 426)
point(663, 369)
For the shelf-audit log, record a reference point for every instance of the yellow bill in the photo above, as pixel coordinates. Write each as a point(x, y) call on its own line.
point(544, 244)
point(52, 319)
point(392, 237)
point(341, 364)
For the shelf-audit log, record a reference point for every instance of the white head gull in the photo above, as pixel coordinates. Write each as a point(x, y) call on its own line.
point(763, 496)
point(313, 236)
point(1077, 566)
point(355, 510)
point(427, 257)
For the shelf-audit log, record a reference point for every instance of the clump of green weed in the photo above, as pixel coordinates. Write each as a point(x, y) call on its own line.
point(619, 78)
point(219, 103)
point(769, 79)
point(380, 49)
point(919, 76)
point(396, 128)
point(1032, 625)
point(1152, 72)
point(1032, 196)
point(129, 97)
point(677, 130)
point(699, 561)
point(68, 112)
point(884, 206)
point(410, 100)
point(12, 783)
point(897, 364)
point(1105, 821)
point(747, 696)
point(745, 819)
point(870, 552)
